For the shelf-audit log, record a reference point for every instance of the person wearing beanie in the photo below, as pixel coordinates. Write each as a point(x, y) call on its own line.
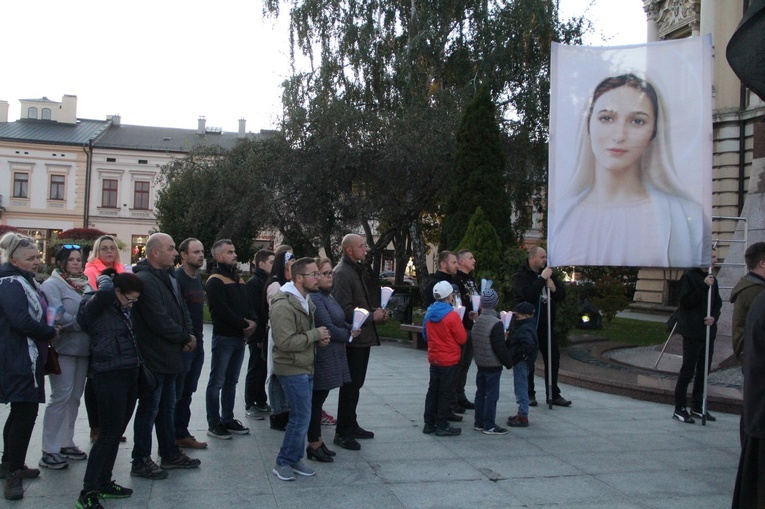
point(490, 354)
point(443, 330)
point(522, 347)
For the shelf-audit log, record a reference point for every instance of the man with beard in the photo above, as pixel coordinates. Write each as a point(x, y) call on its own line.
point(193, 293)
point(234, 320)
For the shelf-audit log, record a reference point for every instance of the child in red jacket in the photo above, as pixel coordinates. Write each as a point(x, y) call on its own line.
point(444, 332)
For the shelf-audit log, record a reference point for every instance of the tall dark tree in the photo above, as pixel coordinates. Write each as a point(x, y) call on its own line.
point(478, 179)
point(482, 239)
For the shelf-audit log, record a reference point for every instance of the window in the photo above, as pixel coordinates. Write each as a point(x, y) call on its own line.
point(109, 193)
point(20, 185)
point(32, 112)
point(143, 161)
point(45, 114)
point(141, 196)
point(111, 159)
point(57, 183)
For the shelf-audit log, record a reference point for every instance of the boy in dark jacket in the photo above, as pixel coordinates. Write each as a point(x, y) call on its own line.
point(490, 353)
point(523, 345)
point(443, 330)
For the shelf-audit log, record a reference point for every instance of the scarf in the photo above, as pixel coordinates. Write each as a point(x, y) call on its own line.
point(78, 282)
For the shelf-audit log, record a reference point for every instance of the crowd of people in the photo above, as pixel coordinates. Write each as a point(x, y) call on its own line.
point(132, 343)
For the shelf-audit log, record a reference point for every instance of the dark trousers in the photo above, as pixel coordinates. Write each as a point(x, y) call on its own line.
point(91, 404)
point(348, 399)
point(693, 369)
point(17, 433)
point(749, 492)
point(185, 386)
point(116, 392)
point(555, 365)
point(314, 425)
point(156, 409)
point(255, 382)
point(438, 401)
point(462, 370)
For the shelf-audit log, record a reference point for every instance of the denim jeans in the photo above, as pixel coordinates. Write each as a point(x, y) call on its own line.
point(116, 392)
point(520, 381)
point(227, 357)
point(438, 401)
point(299, 391)
point(156, 408)
point(186, 386)
point(486, 397)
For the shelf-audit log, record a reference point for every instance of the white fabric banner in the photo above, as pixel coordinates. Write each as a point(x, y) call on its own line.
point(631, 154)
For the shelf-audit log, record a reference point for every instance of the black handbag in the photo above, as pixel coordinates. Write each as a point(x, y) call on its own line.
point(52, 366)
point(147, 382)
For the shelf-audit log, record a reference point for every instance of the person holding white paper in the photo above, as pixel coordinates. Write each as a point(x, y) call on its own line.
point(468, 289)
point(355, 286)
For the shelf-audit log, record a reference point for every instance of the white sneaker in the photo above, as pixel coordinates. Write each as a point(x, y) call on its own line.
point(53, 461)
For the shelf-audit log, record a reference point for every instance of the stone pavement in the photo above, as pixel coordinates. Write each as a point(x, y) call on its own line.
point(605, 451)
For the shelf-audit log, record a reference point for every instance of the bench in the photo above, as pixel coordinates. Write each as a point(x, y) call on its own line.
point(415, 335)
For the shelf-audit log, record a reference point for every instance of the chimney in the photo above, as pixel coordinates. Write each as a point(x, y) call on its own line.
point(3, 112)
point(116, 120)
point(201, 126)
point(67, 110)
point(242, 131)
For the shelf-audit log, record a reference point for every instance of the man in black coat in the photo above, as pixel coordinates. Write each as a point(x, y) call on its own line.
point(255, 397)
point(447, 269)
point(163, 332)
point(692, 323)
point(535, 282)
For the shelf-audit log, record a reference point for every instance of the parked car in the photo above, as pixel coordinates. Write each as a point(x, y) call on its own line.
point(390, 277)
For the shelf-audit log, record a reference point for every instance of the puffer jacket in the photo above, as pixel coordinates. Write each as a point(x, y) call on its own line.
point(489, 349)
point(20, 380)
point(742, 296)
point(112, 342)
point(294, 335)
point(72, 339)
point(523, 344)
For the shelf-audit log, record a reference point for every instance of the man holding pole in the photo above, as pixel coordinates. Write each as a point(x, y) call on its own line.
point(535, 282)
point(697, 315)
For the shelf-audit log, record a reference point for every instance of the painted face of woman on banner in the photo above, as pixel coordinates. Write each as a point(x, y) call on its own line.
point(621, 126)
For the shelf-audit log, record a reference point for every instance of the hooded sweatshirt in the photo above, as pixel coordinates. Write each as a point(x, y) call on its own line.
point(443, 330)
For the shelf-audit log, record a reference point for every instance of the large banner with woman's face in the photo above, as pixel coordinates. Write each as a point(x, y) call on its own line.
point(631, 155)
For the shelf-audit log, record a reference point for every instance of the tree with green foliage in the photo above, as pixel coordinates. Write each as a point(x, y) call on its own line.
point(478, 175)
point(482, 240)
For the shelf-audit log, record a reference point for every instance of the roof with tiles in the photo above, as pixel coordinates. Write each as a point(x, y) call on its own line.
point(166, 139)
point(47, 131)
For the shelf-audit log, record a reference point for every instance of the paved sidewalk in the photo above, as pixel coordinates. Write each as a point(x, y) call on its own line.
point(605, 451)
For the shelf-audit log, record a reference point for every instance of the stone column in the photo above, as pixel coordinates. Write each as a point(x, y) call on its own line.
point(651, 8)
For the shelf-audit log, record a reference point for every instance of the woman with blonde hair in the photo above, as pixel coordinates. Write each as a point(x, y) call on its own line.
point(24, 340)
point(105, 255)
point(626, 204)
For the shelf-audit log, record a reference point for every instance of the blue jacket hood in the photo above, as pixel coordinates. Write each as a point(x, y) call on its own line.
point(435, 313)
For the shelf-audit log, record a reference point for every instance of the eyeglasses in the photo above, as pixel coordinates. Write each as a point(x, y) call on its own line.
point(71, 246)
point(312, 274)
point(107, 248)
point(129, 300)
point(327, 273)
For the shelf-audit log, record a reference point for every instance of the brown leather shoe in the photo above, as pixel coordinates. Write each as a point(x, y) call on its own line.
point(190, 443)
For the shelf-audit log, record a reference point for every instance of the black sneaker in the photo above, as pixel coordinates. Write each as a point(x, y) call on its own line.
point(349, 443)
point(146, 468)
point(89, 500)
point(180, 461)
point(449, 431)
point(682, 415)
point(114, 490)
point(452, 417)
point(699, 415)
point(458, 409)
point(13, 488)
point(533, 401)
point(560, 401)
point(219, 431)
point(467, 404)
point(236, 427)
point(361, 433)
point(429, 429)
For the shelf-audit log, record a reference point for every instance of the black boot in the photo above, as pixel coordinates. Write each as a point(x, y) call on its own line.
point(279, 421)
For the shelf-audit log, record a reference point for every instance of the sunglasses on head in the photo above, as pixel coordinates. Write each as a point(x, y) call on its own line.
point(71, 246)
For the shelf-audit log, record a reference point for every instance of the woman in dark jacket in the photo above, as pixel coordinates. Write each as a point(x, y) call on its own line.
point(106, 316)
point(330, 364)
point(24, 339)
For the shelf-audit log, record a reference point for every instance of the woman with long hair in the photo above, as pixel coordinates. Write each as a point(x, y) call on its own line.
point(24, 340)
point(64, 290)
point(107, 317)
point(105, 255)
point(330, 369)
point(625, 204)
point(280, 275)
